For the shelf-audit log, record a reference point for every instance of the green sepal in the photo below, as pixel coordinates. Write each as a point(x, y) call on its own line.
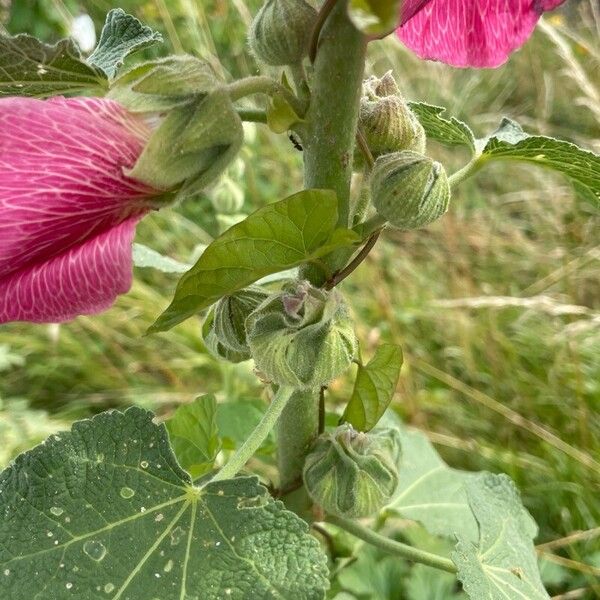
point(352, 474)
point(280, 115)
point(375, 18)
point(192, 146)
point(163, 84)
point(302, 337)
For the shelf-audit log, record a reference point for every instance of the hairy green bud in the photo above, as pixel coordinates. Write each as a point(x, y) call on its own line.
point(409, 190)
point(302, 337)
point(353, 474)
point(386, 119)
point(224, 329)
point(281, 30)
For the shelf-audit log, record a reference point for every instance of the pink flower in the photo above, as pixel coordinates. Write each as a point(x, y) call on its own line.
point(469, 33)
point(67, 210)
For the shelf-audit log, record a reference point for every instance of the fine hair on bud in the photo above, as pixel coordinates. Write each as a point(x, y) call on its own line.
point(280, 32)
point(353, 474)
point(224, 330)
point(409, 190)
point(302, 337)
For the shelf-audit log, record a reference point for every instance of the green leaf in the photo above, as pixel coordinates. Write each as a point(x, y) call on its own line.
point(504, 563)
point(450, 132)
point(194, 435)
point(29, 67)
point(285, 234)
point(121, 35)
point(280, 115)
point(146, 257)
point(376, 18)
point(430, 491)
point(510, 142)
point(374, 388)
point(192, 146)
point(237, 419)
point(164, 83)
point(104, 511)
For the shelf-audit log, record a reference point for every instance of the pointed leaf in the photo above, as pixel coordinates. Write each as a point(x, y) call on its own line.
point(29, 67)
point(104, 511)
point(580, 166)
point(450, 132)
point(121, 35)
point(430, 491)
point(374, 388)
point(194, 435)
point(285, 234)
point(504, 563)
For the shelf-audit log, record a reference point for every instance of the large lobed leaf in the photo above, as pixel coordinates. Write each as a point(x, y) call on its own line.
point(430, 491)
point(105, 512)
point(503, 564)
point(374, 388)
point(279, 236)
point(29, 67)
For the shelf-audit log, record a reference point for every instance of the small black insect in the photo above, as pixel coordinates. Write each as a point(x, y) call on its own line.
point(295, 142)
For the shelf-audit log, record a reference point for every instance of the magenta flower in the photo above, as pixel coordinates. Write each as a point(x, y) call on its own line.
point(470, 33)
point(67, 210)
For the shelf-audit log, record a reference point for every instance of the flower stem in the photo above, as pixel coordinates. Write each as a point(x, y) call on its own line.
point(263, 85)
point(467, 171)
point(393, 547)
point(252, 115)
point(243, 454)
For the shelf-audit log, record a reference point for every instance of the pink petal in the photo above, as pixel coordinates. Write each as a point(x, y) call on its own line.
point(83, 280)
point(470, 33)
point(62, 187)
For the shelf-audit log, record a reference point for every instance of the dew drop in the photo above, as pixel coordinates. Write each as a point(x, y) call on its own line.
point(56, 511)
point(159, 517)
point(7, 572)
point(94, 549)
point(127, 492)
point(68, 585)
point(109, 587)
point(144, 464)
point(167, 568)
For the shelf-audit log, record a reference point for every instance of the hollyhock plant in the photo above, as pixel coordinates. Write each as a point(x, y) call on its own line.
point(69, 211)
point(470, 33)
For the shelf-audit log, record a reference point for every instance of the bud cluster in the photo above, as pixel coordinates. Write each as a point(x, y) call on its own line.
point(302, 337)
point(353, 474)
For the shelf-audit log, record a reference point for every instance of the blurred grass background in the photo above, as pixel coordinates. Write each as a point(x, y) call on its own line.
point(497, 306)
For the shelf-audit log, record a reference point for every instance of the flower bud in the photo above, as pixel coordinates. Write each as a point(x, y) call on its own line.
point(353, 474)
point(409, 190)
point(386, 120)
point(281, 30)
point(224, 331)
point(302, 337)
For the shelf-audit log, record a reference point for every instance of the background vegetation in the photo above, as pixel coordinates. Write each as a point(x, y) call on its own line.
point(497, 306)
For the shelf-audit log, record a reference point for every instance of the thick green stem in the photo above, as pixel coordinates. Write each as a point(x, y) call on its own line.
point(328, 138)
point(263, 85)
point(297, 429)
point(245, 452)
point(332, 116)
point(393, 547)
point(467, 171)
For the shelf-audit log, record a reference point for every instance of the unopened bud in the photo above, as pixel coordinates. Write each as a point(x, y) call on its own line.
point(409, 190)
point(281, 30)
point(353, 474)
